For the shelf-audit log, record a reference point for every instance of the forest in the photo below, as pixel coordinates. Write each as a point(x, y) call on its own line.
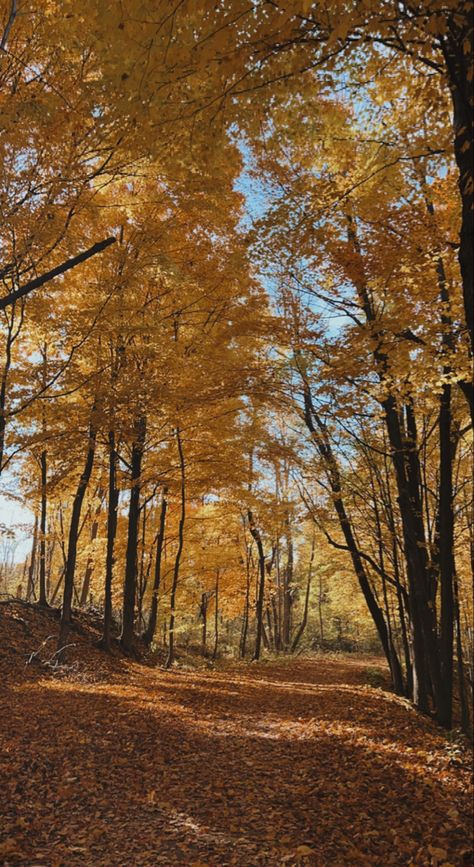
point(236, 427)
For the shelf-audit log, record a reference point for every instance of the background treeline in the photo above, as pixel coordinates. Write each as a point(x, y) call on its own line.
point(247, 422)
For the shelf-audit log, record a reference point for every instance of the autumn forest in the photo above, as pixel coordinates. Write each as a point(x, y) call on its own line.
point(236, 416)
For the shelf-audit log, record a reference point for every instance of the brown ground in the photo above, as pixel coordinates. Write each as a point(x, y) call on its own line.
point(115, 764)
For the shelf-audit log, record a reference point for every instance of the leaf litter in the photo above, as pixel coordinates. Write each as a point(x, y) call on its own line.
point(114, 763)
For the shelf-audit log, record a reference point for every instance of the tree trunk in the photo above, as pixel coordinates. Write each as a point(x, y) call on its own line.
point(203, 612)
point(422, 618)
point(129, 586)
point(113, 499)
point(13, 330)
point(304, 620)
point(43, 599)
point(446, 557)
point(323, 445)
point(260, 586)
point(174, 584)
point(245, 619)
point(73, 535)
point(30, 587)
point(216, 616)
point(287, 588)
point(463, 698)
point(150, 630)
point(90, 560)
point(457, 50)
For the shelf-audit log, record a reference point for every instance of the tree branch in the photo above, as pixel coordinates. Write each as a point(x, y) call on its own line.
point(55, 272)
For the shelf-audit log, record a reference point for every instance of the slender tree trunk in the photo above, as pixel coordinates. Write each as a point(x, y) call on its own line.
point(90, 560)
point(395, 667)
point(143, 574)
point(30, 588)
point(129, 587)
point(270, 635)
point(446, 557)
point(216, 615)
point(151, 627)
point(302, 626)
point(319, 433)
point(57, 586)
point(287, 588)
point(43, 599)
point(203, 612)
point(463, 696)
point(73, 535)
point(174, 584)
point(260, 586)
point(422, 619)
point(245, 619)
point(13, 330)
point(457, 50)
point(405, 459)
point(112, 508)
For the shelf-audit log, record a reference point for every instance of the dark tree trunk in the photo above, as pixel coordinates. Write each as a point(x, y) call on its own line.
point(270, 636)
point(112, 508)
point(445, 520)
point(177, 561)
point(73, 536)
point(245, 619)
point(463, 697)
point(143, 573)
point(30, 588)
point(302, 626)
point(457, 50)
point(446, 558)
point(203, 613)
point(216, 616)
point(13, 330)
point(287, 587)
point(43, 599)
point(129, 586)
point(151, 627)
point(90, 560)
point(260, 586)
point(323, 445)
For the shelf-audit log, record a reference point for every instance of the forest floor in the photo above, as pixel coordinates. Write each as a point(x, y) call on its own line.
point(113, 763)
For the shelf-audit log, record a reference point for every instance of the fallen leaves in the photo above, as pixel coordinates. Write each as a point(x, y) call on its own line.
point(277, 764)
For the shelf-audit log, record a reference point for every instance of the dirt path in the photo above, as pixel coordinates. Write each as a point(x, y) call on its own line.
point(262, 765)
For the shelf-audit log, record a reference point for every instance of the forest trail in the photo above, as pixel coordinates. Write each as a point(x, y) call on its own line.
point(296, 762)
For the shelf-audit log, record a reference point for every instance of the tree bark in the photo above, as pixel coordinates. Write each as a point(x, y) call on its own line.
point(149, 633)
point(457, 51)
point(319, 434)
point(43, 599)
point(112, 508)
point(302, 626)
point(73, 534)
point(55, 272)
point(90, 560)
point(216, 615)
point(287, 588)
point(129, 586)
point(177, 561)
point(30, 588)
point(260, 586)
point(245, 619)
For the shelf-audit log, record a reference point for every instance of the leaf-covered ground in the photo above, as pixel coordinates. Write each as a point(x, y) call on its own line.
point(115, 764)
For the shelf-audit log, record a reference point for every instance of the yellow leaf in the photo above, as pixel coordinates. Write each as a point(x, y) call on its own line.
point(304, 851)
